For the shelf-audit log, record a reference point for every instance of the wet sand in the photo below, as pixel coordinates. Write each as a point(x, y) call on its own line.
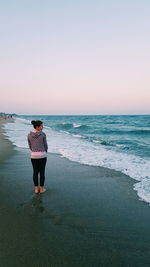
point(6, 147)
point(89, 216)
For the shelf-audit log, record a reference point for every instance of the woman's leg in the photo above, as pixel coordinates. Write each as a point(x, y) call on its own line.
point(35, 164)
point(42, 171)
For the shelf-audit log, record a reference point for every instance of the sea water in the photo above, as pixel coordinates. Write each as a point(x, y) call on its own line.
point(121, 143)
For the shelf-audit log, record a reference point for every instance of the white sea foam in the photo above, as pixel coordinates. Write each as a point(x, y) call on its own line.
point(85, 152)
point(96, 141)
point(77, 135)
point(76, 125)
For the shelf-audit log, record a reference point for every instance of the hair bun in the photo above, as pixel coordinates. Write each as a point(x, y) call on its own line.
point(33, 122)
point(36, 123)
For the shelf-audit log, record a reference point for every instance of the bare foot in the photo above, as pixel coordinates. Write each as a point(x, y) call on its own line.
point(42, 189)
point(36, 190)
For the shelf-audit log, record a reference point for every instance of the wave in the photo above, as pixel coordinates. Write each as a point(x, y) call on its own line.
point(146, 131)
point(104, 143)
point(83, 127)
point(64, 126)
point(124, 132)
point(76, 125)
point(69, 126)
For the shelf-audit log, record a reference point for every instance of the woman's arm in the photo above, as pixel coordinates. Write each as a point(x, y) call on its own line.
point(45, 143)
point(29, 143)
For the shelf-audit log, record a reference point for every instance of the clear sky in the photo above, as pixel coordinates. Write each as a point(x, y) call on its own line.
point(75, 56)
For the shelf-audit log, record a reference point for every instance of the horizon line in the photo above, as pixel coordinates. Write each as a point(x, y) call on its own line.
point(138, 114)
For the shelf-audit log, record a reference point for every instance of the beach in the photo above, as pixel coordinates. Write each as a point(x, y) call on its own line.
point(89, 216)
point(6, 146)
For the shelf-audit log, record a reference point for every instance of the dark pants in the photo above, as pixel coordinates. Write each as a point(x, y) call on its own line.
point(39, 167)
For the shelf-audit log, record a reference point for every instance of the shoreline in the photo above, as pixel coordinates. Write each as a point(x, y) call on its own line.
point(7, 148)
point(89, 216)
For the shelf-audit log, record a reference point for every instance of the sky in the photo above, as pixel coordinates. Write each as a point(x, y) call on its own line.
point(75, 57)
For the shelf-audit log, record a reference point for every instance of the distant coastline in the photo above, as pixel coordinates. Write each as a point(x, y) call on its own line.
point(4, 115)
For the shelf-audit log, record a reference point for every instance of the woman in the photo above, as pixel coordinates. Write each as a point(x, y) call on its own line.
point(38, 145)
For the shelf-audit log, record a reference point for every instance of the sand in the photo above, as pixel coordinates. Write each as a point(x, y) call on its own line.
point(89, 216)
point(6, 147)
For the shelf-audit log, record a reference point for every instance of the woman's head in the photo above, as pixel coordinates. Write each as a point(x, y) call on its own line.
point(38, 125)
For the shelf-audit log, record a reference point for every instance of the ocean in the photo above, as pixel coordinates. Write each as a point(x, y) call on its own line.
point(118, 142)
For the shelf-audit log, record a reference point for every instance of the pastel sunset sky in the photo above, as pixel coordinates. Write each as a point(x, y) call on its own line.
point(75, 56)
